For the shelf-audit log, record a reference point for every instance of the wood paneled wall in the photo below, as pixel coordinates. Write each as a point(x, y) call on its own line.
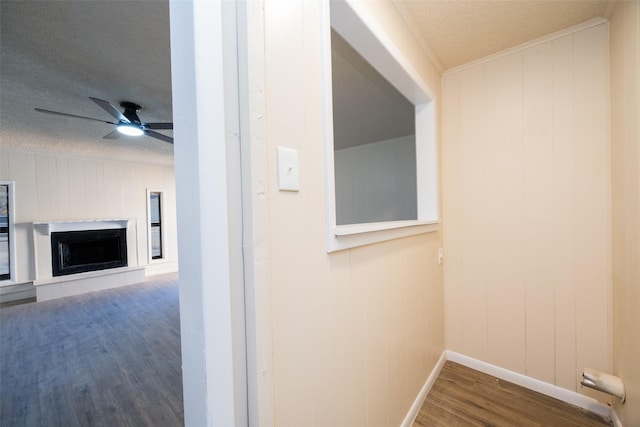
point(526, 208)
point(54, 187)
point(376, 182)
point(625, 147)
point(355, 333)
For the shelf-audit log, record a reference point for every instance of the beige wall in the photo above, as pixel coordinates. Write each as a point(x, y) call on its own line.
point(356, 332)
point(56, 187)
point(527, 208)
point(625, 147)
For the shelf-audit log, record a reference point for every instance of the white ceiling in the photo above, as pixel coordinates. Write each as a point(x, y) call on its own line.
point(55, 54)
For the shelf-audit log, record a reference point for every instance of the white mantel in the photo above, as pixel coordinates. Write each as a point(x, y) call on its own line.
point(48, 287)
point(48, 227)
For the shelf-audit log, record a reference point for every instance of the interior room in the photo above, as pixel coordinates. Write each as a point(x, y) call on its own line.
point(506, 237)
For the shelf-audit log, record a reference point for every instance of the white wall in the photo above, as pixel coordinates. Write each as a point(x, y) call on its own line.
point(56, 187)
point(527, 231)
point(376, 181)
point(355, 333)
point(625, 147)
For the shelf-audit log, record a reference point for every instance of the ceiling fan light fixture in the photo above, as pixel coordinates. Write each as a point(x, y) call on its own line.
point(130, 130)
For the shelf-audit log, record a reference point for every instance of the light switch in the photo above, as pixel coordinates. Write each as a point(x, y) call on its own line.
point(288, 174)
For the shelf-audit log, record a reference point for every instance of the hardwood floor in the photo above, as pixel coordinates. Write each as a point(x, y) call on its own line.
point(109, 358)
point(464, 397)
point(112, 358)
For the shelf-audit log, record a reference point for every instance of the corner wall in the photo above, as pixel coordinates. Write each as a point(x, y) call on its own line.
point(625, 147)
point(355, 333)
point(527, 232)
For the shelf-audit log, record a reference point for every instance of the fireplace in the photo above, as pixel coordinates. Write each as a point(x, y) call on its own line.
point(88, 250)
point(75, 257)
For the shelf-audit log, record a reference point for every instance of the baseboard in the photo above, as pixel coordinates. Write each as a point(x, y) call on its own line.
point(164, 267)
point(542, 387)
point(613, 415)
point(417, 404)
point(17, 292)
point(91, 281)
point(551, 390)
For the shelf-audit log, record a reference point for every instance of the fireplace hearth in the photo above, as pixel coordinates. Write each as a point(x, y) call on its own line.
point(88, 250)
point(75, 257)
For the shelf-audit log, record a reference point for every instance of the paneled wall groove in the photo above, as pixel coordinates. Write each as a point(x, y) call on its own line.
point(526, 205)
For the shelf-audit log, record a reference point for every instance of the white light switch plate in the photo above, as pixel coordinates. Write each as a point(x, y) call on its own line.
point(288, 174)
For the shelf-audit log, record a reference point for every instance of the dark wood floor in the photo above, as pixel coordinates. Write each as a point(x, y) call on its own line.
point(464, 397)
point(109, 358)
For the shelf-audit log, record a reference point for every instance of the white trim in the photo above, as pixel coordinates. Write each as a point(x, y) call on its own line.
point(551, 390)
point(47, 227)
point(615, 420)
point(352, 229)
point(354, 23)
point(255, 214)
point(205, 96)
point(426, 388)
point(352, 20)
point(150, 259)
point(86, 275)
point(12, 235)
point(550, 37)
point(161, 266)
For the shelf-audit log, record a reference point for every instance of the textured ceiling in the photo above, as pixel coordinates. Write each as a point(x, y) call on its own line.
point(460, 31)
point(55, 54)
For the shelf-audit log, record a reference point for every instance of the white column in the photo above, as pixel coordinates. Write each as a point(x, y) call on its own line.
point(207, 174)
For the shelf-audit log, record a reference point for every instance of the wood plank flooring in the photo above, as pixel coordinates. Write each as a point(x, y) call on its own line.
point(464, 397)
point(109, 358)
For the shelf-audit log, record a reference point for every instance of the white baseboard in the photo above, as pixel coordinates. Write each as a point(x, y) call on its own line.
point(614, 418)
point(551, 390)
point(163, 267)
point(417, 404)
point(17, 292)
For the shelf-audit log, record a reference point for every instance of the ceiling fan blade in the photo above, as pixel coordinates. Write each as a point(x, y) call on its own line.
point(159, 136)
point(159, 125)
point(40, 110)
point(106, 106)
point(112, 135)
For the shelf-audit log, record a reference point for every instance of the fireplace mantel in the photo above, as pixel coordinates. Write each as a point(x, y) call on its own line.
point(48, 227)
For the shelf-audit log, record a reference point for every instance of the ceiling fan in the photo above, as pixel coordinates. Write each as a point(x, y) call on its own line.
point(128, 121)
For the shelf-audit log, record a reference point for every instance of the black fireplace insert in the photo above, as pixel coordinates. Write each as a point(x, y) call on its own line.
point(90, 250)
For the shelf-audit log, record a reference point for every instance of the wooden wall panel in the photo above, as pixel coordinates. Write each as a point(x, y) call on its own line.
point(537, 72)
point(504, 198)
point(452, 206)
point(625, 147)
point(526, 205)
point(355, 333)
point(52, 187)
point(376, 181)
point(474, 213)
point(564, 215)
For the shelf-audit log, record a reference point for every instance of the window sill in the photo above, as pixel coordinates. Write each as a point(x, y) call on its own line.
point(351, 236)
